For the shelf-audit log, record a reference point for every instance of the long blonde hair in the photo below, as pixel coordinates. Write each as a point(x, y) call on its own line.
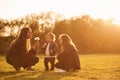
point(66, 40)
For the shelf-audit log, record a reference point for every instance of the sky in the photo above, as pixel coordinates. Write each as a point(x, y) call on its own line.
point(105, 9)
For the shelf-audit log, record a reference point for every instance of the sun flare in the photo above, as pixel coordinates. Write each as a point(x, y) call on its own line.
point(98, 8)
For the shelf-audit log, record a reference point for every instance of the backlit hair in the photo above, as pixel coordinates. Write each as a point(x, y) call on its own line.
point(23, 40)
point(52, 36)
point(66, 40)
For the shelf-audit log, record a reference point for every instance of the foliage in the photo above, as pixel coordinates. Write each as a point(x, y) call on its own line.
point(91, 35)
point(40, 23)
point(5, 44)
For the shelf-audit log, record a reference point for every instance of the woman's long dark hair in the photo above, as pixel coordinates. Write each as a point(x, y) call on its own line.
point(22, 39)
point(23, 33)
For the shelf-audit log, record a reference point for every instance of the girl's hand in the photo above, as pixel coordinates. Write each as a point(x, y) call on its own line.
point(44, 45)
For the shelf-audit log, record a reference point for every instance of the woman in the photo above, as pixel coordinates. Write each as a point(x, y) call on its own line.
point(68, 58)
point(21, 54)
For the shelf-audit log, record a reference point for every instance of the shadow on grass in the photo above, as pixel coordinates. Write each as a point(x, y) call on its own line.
point(8, 73)
point(51, 75)
point(34, 75)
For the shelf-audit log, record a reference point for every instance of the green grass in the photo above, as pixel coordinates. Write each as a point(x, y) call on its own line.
point(94, 67)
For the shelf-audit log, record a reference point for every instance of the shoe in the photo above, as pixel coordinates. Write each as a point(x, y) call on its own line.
point(30, 69)
point(51, 69)
point(60, 70)
point(46, 69)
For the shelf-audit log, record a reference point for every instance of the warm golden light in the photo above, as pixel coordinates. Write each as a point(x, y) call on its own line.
point(96, 8)
point(116, 22)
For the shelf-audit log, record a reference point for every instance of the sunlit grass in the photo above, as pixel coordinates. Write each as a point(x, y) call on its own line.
point(94, 67)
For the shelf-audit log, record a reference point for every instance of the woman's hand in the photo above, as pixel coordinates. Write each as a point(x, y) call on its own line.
point(36, 45)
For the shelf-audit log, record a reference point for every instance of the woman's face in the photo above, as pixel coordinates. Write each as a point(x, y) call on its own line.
point(29, 34)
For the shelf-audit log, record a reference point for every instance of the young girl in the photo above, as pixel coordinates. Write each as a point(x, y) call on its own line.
point(68, 58)
point(50, 48)
point(20, 53)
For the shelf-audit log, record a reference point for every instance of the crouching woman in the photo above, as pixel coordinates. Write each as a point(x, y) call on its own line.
point(20, 53)
point(68, 58)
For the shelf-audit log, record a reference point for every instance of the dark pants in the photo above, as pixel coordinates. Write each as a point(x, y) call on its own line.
point(52, 62)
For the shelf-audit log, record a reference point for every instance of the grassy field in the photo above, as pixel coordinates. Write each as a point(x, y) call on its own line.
point(94, 67)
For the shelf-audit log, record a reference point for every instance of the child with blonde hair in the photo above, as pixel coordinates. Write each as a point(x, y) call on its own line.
point(50, 49)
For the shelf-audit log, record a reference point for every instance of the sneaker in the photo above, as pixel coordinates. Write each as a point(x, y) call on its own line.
point(60, 70)
point(30, 69)
point(51, 69)
point(46, 69)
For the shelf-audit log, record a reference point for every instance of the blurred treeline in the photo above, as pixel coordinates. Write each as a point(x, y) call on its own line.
point(89, 34)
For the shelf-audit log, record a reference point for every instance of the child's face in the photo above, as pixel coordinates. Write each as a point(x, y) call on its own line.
point(48, 38)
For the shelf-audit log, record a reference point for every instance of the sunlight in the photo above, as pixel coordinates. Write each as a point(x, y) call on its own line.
point(97, 8)
point(7, 32)
point(15, 29)
point(117, 22)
